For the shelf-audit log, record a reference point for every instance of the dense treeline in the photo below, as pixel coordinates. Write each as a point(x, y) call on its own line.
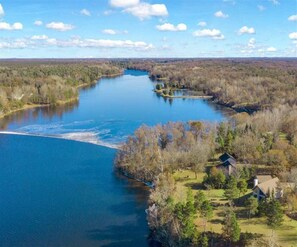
point(44, 82)
point(165, 148)
point(267, 139)
point(264, 142)
point(245, 85)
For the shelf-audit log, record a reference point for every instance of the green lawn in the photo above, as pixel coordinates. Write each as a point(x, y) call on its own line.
point(286, 234)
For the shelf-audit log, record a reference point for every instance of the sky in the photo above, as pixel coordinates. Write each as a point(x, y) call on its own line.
point(147, 28)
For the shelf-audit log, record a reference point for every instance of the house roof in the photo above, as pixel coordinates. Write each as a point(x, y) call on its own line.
point(225, 156)
point(268, 185)
point(229, 162)
point(263, 178)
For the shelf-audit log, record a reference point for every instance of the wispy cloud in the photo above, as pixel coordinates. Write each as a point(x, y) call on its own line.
point(246, 30)
point(275, 2)
point(39, 37)
point(123, 3)
point(114, 32)
point(212, 33)
point(1, 10)
point(38, 23)
point(146, 10)
point(220, 14)
point(85, 12)
point(44, 41)
point(142, 10)
point(293, 35)
point(202, 24)
point(59, 26)
point(292, 18)
point(172, 28)
point(261, 7)
point(11, 27)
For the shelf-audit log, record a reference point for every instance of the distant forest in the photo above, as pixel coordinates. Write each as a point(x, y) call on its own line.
point(46, 82)
point(243, 84)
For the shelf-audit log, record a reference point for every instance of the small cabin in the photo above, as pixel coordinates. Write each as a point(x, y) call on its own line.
point(228, 164)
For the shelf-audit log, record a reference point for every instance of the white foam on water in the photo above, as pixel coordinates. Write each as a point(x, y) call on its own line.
point(86, 137)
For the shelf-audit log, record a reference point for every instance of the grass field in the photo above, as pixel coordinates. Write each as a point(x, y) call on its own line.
point(286, 234)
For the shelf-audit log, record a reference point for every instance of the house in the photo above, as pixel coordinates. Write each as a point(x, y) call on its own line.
point(226, 156)
point(228, 165)
point(265, 186)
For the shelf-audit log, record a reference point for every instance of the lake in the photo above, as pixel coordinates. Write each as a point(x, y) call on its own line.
point(58, 192)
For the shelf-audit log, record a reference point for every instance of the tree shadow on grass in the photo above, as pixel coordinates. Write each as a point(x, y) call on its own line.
point(195, 186)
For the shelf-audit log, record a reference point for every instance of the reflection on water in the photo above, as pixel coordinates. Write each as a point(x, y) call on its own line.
point(110, 111)
point(46, 112)
point(62, 193)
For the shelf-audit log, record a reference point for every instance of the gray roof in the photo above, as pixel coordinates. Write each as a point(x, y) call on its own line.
point(268, 186)
point(263, 178)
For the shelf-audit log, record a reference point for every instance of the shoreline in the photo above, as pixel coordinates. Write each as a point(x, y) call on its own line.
point(237, 109)
point(59, 102)
point(183, 96)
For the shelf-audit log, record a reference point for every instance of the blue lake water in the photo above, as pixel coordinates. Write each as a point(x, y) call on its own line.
point(111, 110)
point(56, 192)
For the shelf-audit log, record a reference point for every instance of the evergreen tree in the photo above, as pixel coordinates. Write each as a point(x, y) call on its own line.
point(231, 191)
point(274, 214)
point(242, 186)
point(231, 229)
point(252, 206)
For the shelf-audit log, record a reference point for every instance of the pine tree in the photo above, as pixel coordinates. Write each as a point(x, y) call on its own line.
point(274, 214)
point(252, 206)
point(231, 229)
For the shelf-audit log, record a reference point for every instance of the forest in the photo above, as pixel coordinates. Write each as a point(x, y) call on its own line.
point(192, 203)
point(26, 83)
point(244, 84)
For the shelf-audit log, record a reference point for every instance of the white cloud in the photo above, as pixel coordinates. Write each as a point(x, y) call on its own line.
point(59, 26)
point(38, 23)
point(39, 37)
point(247, 30)
point(220, 14)
point(202, 24)
point(109, 31)
point(114, 32)
point(251, 43)
point(292, 18)
point(1, 10)
point(85, 12)
point(293, 35)
point(11, 27)
point(214, 33)
point(15, 44)
point(171, 27)
point(145, 10)
point(75, 42)
point(261, 7)
point(271, 49)
point(123, 3)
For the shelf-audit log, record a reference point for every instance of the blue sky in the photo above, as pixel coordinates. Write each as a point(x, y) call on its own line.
point(147, 28)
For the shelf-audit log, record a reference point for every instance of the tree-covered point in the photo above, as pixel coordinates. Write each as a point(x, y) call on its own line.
point(45, 82)
point(244, 84)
